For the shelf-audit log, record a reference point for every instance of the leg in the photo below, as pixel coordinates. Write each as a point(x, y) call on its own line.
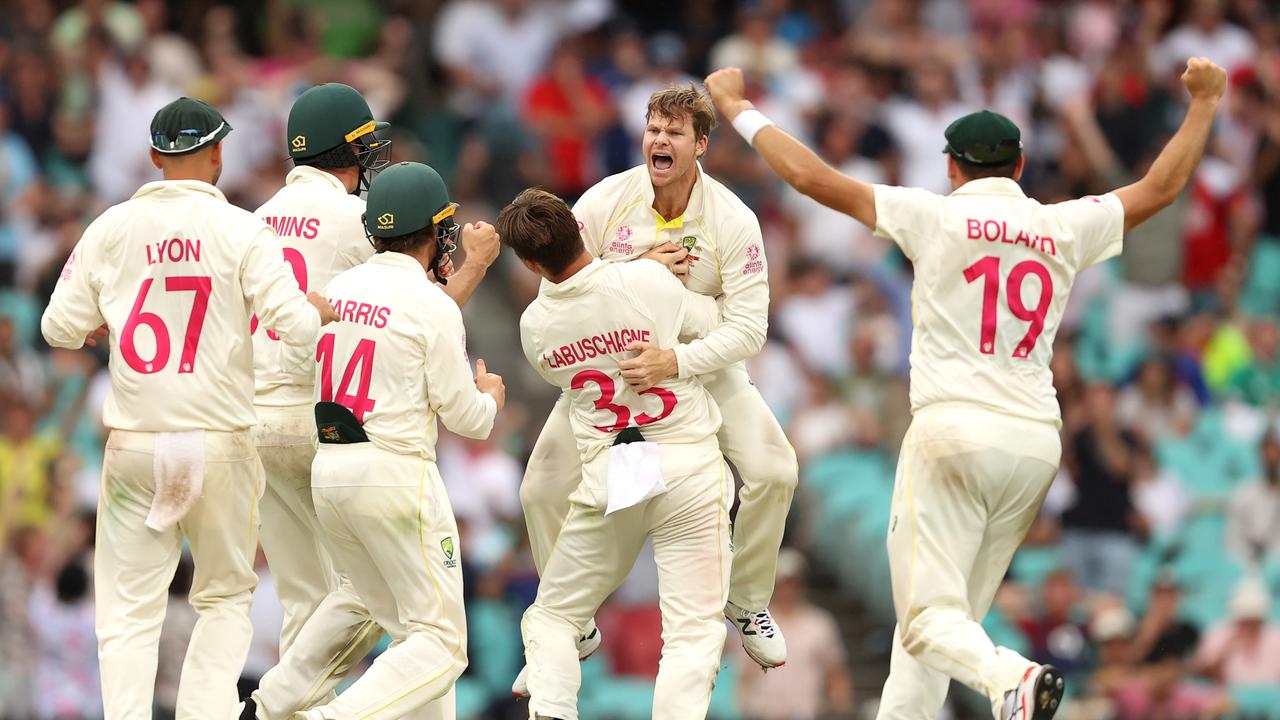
point(950, 491)
point(290, 533)
point(132, 569)
point(222, 529)
point(398, 545)
point(334, 638)
point(753, 441)
point(591, 558)
point(551, 476)
point(691, 548)
point(913, 691)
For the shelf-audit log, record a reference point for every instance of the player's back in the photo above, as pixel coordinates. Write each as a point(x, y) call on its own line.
point(321, 232)
point(575, 332)
point(993, 271)
point(167, 267)
point(384, 359)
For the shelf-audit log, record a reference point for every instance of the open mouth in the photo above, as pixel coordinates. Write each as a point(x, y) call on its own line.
point(662, 161)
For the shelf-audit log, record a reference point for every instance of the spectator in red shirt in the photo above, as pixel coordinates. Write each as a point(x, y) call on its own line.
point(567, 110)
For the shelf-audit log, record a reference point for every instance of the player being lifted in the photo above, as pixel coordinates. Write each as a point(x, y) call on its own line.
point(174, 273)
point(993, 269)
point(318, 215)
point(651, 464)
point(700, 228)
point(395, 361)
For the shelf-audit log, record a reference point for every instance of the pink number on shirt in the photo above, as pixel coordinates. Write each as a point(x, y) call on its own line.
point(621, 413)
point(988, 268)
point(362, 360)
point(299, 264)
point(202, 286)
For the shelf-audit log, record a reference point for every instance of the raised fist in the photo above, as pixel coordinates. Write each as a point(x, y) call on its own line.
point(1204, 80)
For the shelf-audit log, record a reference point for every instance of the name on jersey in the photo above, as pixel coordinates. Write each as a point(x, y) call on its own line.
point(173, 250)
point(306, 228)
point(362, 313)
point(999, 231)
point(614, 341)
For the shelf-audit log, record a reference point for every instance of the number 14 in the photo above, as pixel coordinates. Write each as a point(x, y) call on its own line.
point(988, 268)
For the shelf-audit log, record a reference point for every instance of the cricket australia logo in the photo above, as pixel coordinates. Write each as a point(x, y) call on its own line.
point(690, 243)
point(386, 221)
point(447, 546)
point(299, 143)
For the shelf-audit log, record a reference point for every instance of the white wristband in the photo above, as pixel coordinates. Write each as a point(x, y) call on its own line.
point(750, 122)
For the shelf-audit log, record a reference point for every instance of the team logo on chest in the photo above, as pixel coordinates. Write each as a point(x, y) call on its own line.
point(690, 243)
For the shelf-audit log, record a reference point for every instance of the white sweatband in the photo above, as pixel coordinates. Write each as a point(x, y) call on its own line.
point(750, 122)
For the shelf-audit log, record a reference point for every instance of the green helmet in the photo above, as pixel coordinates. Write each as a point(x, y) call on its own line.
point(329, 118)
point(407, 197)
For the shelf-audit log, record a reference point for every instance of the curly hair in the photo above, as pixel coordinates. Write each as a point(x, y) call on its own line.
point(405, 243)
point(334, 158)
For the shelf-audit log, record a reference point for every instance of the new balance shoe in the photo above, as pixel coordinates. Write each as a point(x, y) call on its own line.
point(1037, 696)
point(761, 636)
point(587, 646)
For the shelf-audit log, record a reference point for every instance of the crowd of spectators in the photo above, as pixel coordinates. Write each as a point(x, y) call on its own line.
point(1149, 577)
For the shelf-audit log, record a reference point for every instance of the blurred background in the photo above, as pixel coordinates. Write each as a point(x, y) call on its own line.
point(1149, 579)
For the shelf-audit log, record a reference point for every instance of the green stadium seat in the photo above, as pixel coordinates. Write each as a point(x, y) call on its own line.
point(1255, 702)
point(1031, 565)
point(25, 312)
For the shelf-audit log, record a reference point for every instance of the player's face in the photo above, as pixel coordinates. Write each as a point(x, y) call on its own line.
point(670, 148)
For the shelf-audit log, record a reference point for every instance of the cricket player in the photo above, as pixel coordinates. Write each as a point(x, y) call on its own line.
point(678, 214)
point(651, 463)
point(395, 361)
point(318, 215)
point(175, 273)
point(993, 271)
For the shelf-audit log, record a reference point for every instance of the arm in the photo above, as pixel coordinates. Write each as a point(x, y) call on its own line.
point(451, 391)
point(1173, 167)
point(799, 166)
point(740, 335)
point(481, 244)
point(73, 312)
point(273, 294)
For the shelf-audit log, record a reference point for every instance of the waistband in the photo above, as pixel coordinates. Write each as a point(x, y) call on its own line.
point(218, 445)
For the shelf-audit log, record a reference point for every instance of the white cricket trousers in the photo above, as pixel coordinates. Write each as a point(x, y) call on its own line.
point(392, 533)
point(133, 566)
point(293, 542)
point(689, 525)
point(750, 438)
point(969, 484)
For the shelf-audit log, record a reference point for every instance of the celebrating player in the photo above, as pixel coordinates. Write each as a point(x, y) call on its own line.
point(993, 271)
point(318, 216)
point(651, 465)
point(395, 361)
point(675, 212)
point(174, 273)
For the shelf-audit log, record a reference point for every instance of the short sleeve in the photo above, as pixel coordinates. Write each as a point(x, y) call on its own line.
point(905, 215)
point(1097, 222)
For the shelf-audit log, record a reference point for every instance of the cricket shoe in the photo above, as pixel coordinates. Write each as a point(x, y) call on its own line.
point(1037, 697)
point(587, 646)
point(761, 636)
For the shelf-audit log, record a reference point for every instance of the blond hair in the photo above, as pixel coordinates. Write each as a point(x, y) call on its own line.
point(678, 101)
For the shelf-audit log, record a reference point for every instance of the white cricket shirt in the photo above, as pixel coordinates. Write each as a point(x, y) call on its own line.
point(175, 272)
point(398, 358)
point(993, 270)
point(574, 333)
point(322, 233)
point(726, 256)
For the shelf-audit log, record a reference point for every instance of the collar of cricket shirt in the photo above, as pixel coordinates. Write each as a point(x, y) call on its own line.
point(397, 259)
point(576, 284)
point(692, 211)
point(306, 173)
point(990, 186)
point(175, 187)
